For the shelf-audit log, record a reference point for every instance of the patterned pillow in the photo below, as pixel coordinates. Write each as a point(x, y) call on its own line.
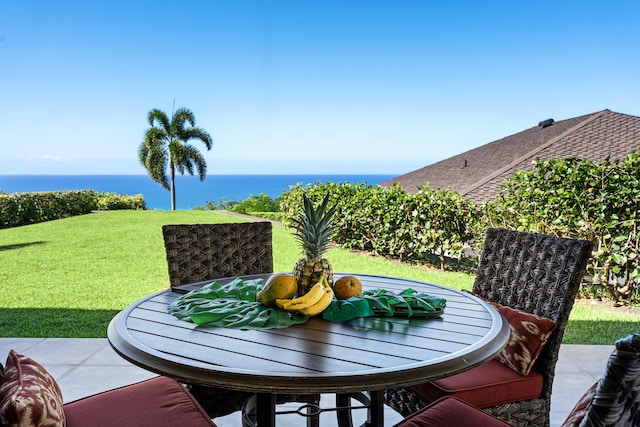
point(29, 396)
point(529, 334)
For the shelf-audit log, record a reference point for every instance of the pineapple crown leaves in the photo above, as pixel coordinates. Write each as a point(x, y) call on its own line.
point(314, 228)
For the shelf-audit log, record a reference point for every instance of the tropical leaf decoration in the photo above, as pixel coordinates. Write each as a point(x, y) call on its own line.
point(232, 305)
point(384, 303)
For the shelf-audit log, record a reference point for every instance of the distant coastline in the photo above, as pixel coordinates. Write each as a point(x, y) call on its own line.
point(190, 191)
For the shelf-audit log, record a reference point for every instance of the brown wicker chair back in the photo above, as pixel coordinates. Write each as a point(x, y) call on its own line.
point(616, 401)
point(197, 252)
point(539, 274)
point(536, 273)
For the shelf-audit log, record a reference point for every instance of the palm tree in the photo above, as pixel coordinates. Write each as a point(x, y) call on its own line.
point(166, 143)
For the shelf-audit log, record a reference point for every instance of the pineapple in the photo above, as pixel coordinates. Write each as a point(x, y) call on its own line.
point(313, 230)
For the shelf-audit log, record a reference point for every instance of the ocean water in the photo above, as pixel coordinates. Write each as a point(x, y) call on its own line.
point(190, 191)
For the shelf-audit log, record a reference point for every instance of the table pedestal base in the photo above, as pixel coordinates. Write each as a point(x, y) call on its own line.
point(260, 410)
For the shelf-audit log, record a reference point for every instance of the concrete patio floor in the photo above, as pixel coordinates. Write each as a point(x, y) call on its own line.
point(87, 366)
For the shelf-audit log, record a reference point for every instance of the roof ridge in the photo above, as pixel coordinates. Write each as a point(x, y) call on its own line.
point(533, 152)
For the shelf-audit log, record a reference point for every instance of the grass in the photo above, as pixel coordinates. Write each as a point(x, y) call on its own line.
point(68, 278)
point(593, 322)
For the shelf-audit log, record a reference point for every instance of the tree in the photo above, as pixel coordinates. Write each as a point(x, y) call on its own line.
point(166, 146)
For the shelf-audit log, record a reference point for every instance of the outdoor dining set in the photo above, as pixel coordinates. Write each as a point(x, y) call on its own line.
point(487, 358)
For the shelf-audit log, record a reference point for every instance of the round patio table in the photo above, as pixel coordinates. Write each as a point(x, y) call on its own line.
point(364, 354)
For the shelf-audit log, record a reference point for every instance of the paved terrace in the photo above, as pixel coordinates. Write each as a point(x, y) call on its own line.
point(86, 366)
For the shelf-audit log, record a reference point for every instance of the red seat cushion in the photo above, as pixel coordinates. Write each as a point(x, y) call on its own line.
point(450, 412)
point(486, 385)
point(156, 402)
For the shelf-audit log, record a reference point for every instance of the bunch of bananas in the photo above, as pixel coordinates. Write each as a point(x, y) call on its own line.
point(313, 302)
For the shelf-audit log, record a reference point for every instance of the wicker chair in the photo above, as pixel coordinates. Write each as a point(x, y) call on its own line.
point(199, 252)
point(30, 395)
point(615, 399)
point(534, 273)
point(612, 401)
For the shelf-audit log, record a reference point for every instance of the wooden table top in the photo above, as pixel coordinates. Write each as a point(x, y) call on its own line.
point(317, 356)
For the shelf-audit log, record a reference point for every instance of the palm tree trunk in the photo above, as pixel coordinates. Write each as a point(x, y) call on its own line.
point(172, 175)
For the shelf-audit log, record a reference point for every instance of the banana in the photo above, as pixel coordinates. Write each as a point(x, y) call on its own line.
point(321, 305)
point(307, 300)
point(283, 302)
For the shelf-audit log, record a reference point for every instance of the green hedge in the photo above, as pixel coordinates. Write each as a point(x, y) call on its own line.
point(254, 203)
point(564, 197)
point(584, 199)
point(28, 208)
point(18, 209)
point(112, 202)
point(272, 216)
point(392, 222)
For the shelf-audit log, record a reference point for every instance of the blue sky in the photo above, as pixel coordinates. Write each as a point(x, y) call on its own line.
point(303, 86)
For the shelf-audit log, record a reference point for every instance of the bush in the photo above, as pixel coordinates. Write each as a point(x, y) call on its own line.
point(110, 201)
point(392, 222)
point(271, 216)
point(259, 203)
point(582, 199)
point(18, 209)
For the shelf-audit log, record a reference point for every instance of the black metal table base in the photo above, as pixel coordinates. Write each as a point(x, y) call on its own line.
point(260, 410)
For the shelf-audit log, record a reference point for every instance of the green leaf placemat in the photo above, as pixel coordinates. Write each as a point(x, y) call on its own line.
point(232, 305)
point(381, 302)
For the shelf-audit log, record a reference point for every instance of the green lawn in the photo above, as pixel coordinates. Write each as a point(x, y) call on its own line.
point(68, 278)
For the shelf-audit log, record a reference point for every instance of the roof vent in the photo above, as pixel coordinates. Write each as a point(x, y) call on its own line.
point(546, 123)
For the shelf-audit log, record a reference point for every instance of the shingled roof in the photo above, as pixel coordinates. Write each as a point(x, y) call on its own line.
point(479, 173)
